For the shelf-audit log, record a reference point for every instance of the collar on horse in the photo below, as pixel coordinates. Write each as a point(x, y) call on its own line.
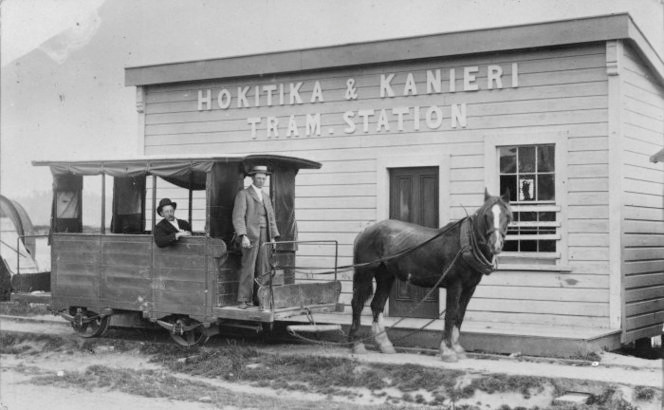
point(471, 252)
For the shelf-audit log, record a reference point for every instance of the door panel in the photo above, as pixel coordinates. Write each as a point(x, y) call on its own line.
point(414, 198)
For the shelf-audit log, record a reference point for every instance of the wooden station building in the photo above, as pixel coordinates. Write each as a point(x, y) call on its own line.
point(564, 114)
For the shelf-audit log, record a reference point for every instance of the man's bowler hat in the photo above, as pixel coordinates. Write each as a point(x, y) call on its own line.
point(165, 202)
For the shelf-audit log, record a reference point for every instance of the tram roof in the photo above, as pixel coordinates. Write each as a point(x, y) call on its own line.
point(169, 166)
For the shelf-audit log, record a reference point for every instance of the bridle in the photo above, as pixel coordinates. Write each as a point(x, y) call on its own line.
point(490, 230)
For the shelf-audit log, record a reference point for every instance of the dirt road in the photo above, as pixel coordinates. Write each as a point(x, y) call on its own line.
point(44, 365)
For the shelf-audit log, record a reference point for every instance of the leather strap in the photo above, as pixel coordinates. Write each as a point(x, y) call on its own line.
point(472, 254)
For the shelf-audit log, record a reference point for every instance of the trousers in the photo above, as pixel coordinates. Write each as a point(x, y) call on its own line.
point(255, 260)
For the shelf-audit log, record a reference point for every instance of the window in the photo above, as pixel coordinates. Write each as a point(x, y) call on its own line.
point(528, 174)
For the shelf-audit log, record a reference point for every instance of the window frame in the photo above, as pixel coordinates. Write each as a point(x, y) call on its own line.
point(528, 260)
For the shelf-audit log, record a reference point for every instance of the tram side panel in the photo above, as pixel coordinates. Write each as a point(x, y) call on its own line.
point(129, 272)
point(75, 277)
point(126, 272)
point(180, 278)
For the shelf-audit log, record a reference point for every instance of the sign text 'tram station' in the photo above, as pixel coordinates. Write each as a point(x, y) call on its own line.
point(370, 119)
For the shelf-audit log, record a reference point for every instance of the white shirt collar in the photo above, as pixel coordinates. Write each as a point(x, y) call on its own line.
point(259, 192)
point(174, 222)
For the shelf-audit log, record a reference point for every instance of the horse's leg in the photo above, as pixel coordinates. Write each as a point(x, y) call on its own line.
point(466, 294)
point(447, 352)
point(362, 290)
point(384, 282)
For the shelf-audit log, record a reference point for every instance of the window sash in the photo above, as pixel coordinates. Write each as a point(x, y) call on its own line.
point(531, 255)
point(536, 207)
point(548, 207)
point(559, 138)
point(536, 237)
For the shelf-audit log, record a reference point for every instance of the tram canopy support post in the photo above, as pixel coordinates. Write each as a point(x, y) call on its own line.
point(191, 197)
point(154, 201)
point(103, 204)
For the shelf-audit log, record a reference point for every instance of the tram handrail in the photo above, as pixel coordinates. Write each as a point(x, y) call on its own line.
point(322, 241)
point(273, 266)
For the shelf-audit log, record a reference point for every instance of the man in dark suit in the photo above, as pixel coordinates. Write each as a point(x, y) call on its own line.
point(169, 229)
point(254, 223)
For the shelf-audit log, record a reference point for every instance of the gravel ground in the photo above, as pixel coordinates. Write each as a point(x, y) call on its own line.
point(60, 379)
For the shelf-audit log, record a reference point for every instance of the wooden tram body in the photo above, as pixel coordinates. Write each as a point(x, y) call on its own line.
point(189, 288)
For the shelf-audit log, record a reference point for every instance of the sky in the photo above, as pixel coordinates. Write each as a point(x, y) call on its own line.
point(63, 94)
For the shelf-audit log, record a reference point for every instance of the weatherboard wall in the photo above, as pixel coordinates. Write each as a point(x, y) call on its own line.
point(561, 92)
point(643, 208)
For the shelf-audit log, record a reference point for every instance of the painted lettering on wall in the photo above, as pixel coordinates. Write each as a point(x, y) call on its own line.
point(307, 122)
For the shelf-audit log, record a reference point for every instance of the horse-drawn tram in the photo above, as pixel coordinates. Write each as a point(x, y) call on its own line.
point(190, 288)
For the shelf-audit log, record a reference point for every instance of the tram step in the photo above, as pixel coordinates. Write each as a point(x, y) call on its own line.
point(313, 328)
point(300, 295)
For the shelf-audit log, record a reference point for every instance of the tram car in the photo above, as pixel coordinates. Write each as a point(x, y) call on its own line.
point(118, 273)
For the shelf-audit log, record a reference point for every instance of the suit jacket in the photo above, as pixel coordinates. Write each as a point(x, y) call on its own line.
point(246, 215)
point(164, 232)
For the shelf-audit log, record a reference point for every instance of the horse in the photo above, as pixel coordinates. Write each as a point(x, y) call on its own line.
point(455, 257)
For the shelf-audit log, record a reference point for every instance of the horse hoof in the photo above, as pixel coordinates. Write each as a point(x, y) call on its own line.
point(387, 349)
point(449, 357)
point(359, 349)
point(460, 352)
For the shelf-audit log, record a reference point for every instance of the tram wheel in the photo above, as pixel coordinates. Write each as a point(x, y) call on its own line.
point(88, 323)
point(188, 332)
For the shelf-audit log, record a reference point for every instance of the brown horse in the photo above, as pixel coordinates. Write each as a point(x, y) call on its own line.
point(454, 257)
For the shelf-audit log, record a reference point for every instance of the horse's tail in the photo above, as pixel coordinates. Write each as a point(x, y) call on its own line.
point(362, 279)
point(363, 275)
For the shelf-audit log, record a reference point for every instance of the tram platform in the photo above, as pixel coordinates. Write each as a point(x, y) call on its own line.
point(490, 337)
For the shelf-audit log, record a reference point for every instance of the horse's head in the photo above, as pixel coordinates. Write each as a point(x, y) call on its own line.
point(493, 218)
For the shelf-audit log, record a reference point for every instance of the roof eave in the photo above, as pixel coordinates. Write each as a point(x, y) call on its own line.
point(546, 34)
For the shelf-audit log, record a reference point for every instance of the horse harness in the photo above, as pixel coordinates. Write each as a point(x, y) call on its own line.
point(470, 245)
point(471, 252)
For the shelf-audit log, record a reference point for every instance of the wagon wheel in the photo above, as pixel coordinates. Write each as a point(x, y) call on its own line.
point(188, 332)
point(88, 323)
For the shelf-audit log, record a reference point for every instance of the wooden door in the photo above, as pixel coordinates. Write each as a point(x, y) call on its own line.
point(414, 198)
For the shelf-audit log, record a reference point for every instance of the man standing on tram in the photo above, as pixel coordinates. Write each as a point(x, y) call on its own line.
point(254, 223)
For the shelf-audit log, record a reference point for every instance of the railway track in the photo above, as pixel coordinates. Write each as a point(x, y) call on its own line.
point(153, 334)
point(279, 336)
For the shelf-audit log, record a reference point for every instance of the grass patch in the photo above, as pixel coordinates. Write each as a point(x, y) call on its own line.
point(315, 374)
point(162, 384)
point(324, 375)
point(340, 376)
point(148, 383)
point(502, 383)
point(611, 398)
point(23, 309)
point(238, 361)
point(29, 344)
point(22, 343)
point(644, 393)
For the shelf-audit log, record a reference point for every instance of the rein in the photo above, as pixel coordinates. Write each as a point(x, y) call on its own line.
point(470, 248)
point(438, 234)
